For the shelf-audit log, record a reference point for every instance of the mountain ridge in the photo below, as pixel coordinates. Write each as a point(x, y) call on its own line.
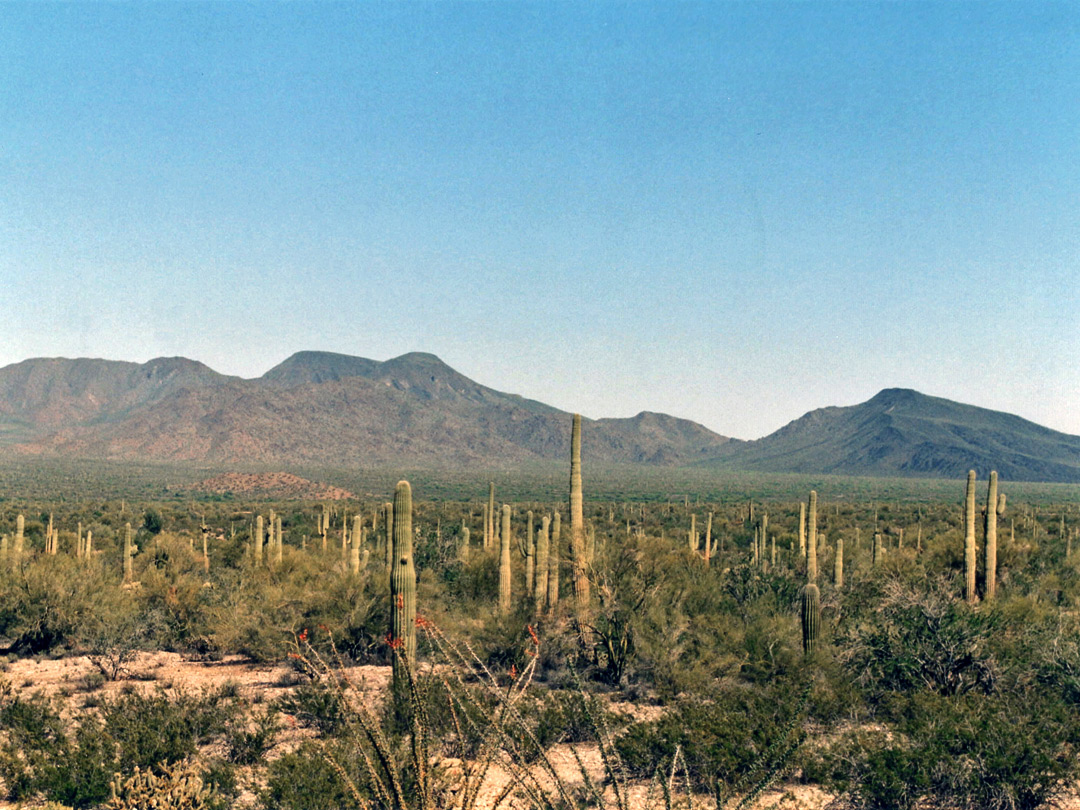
point(416, 411)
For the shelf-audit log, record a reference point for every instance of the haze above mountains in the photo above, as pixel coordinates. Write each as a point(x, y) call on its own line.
point(414, 411)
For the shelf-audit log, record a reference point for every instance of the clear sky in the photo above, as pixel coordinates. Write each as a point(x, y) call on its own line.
point(730, 212)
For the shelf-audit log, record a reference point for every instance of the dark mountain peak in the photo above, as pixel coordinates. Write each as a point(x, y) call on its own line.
point(903, 432)
point(896, 396)
point(319, 367)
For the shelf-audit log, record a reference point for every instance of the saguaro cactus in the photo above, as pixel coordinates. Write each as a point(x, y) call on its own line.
point(553, 563)
point(403, 586)
point(463, 549)
point(990, 543)
point(389, 510)
point(811, 538)
point(802, 530)
point(128, 553)
point(20, 535)
point(577, 521)
point(542, 547)
point(878, 550)
point(504, 561)
point(838, 564)
point(279, 540)
point(810, 614)
point(691, 536)
point(708, 538)
point(357, 540)
point(530, 552)
point(969, 539)
point(260, 534)
point(489, 534)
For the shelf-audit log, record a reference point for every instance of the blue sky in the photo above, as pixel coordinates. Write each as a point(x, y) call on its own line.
point(731, 212)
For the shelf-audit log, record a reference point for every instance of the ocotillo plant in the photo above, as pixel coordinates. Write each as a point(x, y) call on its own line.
point(542, 544)
point(990, 541)
point(504, 561)
point(553, 563)
point(811, 538)
point(403, 588)
point(969, 539)
point(577, 522)
point(260, 534)
point(810, 614)
point(128, 552)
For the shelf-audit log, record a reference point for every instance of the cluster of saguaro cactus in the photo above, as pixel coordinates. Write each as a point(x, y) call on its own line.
point(403, 586)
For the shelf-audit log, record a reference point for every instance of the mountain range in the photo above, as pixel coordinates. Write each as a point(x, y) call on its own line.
point(322, 408)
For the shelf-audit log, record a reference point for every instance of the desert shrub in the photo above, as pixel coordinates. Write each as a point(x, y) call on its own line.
point(1011, 751)
point(150, 729)
point(247, 739)
point(736, 736)
point(316, 705)
point(56, 601)
point(305, 779)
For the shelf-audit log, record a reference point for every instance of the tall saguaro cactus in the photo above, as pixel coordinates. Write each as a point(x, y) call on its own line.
point(20, 536)
point(389, 510)
point(990, 550)
point(403, 586)
point(577, 521)
point(504, 561)
point(802, 530)
point(811, 538)
point(969, 539)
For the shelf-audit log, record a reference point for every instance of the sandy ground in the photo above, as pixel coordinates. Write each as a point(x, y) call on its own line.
point(66, 678)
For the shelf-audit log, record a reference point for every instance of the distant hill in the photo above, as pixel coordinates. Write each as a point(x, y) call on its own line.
point(901, 432)
point(315, 408)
